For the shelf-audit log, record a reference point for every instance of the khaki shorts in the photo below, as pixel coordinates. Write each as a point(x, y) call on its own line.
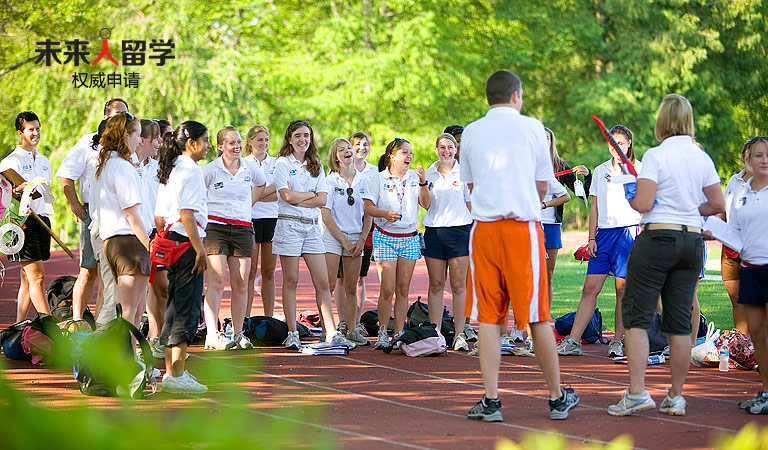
point(229, 240)
point(334, 246)
point(127, 256)
point(729, 268)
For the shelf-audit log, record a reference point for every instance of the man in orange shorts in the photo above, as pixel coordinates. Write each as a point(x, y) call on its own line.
point(506, 163)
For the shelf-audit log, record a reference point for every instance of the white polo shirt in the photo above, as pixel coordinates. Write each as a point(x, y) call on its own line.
point(503, 155)
point(554, 189)
point(31, 166)
point(348, 218)
point(292, 174)
point(80, 164)
point(119, 188)
point(748, 215)
point(229, 196)
point(613, 209)
point(735, 183)
point(448, 199)
point(368, 171)
point(390, 193)
point(150, 184)
point(680, 170)
point(265, 210)
point(185, 190)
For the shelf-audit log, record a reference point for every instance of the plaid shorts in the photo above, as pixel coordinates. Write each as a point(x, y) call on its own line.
point(389, 248)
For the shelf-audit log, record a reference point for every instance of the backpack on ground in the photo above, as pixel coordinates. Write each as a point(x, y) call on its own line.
point(59, 297)
point(592, 333)
point(418, 313)
point(370, 320)
point(741, 351)
point(107, 366)
point(422, 340)
point(10, 340)
point(265, 331)
point(657, 341)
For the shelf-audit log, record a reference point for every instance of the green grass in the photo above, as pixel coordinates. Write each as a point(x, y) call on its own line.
point(569, 279)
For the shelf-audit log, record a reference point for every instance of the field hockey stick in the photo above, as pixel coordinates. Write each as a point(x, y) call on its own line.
point(53, 235)
point(626, 165)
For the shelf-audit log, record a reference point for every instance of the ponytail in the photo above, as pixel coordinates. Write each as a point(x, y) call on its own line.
point(174, 144)
point(385, 159)
point(97, 137)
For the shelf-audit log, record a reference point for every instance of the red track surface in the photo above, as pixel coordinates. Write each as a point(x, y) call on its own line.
point(382, 401)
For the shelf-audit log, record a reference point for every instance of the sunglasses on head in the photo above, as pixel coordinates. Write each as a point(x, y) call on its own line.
point(757, 139)
point(128, 116)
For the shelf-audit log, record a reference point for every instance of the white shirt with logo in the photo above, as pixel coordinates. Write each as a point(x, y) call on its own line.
point(229, 196)
point(749, 214)
point(613, 209)
point(80, 164)
point(265, 210)
point(448, 198)
point(349, 218)
point(150, 184)
point(292, 174)
point(117, 188)
point(31, 166)
point(554, 189)
point(390, 193)
point(185, 190)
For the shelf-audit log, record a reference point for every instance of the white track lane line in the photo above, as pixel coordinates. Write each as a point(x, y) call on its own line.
point(402, 404)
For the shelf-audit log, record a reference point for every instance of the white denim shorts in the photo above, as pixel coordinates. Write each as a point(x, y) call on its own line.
point(295, 239)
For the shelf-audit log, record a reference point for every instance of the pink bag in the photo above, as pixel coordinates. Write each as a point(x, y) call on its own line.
point(37, 344)
point(431, 346)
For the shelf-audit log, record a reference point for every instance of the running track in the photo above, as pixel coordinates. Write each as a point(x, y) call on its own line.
point(391, 401)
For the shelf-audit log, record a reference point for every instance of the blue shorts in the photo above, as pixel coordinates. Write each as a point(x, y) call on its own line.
point(613, 247)
point(446, 242)
point(703, 268)
point(753, 285)
point(389, 248)
point(552, 235)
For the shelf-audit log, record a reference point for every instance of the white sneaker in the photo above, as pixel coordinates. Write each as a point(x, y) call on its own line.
point(529, 344)
point(218, 342)
point(616, 348)
point(158, 351)
point(342, 327)
point(383, 340)
point(469, 332)
point(516, 335)
point(241, 341)
point(460, 343)
point(505, 341)
point(184, 384)
point(674, 406)
point(361, 328)
point(292, 341)
point(339, 338)
point(355, 336)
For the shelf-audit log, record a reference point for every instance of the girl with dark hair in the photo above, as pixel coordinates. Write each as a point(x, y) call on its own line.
point(234, 185)
point(264, 219)
point(612, 231)
point(301, 186)
point(119, 200)
point(392, 199)
point(345, 227)
point(28, 162)
point(446, 236)
point(182, 207)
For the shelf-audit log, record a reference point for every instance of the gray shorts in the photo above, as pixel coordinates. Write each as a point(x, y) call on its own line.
point(87, 257)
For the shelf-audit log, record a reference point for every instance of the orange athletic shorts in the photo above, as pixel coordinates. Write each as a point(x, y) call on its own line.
point(507, 267)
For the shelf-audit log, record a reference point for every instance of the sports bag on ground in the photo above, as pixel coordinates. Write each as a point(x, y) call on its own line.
point(592, 333)
point(10, 340)
point(107, 366)
point(741, 351)
point(422, 340)
point(265, 331)
point(370, 320)
point(418, 313)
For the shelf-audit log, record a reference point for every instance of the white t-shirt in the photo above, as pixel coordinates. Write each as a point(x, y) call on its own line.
point(748, 215)
point(680, 170)
point(448, 199)
point(265, 210)
point(734, 185)
point(554, 189)
point(348, 218)
point(150, 185)
point(229, 196)
point(119, 188)
point(613, 209)
point(31, 166)
point(80, 164)
point(390, 193)
point(292, 174)
point(185, 190)
point(503, 155)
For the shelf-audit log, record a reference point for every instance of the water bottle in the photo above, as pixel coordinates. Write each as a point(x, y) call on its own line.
point(228, 331)
point(656, 359)
point(724, 353)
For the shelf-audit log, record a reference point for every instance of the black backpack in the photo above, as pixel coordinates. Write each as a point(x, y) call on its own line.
point(370, 320)
point(107, 366)
point(10, 340)
point(418, 313)
point(265, 331)
point(59, 296)
point(656, 339)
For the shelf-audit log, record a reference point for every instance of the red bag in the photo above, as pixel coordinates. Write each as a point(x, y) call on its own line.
point(164, 251)
point(581, 253)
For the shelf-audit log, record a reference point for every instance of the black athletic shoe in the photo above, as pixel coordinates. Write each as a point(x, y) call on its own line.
point(487, 410)
point(558, 409)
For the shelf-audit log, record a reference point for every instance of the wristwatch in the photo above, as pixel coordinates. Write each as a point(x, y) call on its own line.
point(543, 205)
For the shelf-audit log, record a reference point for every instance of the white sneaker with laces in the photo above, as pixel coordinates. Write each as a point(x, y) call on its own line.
point(382, 341)
point(218, 342)
point(469, 332)
point(516, 335)
point(504, 340)
point(361, 328)
point(615, 348)
point(241, 341)
point(355, 336)
point(339, 338)
point(460, 343)
point(183, 384)
point(292, 341)
point(674, 406)
point(158, 351)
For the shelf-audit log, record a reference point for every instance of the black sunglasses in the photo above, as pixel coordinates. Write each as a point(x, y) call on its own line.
point(757, 139)
point(128, 116)
point(350, 199)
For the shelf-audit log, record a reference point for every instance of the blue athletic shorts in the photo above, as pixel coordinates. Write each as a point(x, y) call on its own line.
point(753, 285)
point(613, 247)
point(446, 242)
point(389, 248)
point(552, 235)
